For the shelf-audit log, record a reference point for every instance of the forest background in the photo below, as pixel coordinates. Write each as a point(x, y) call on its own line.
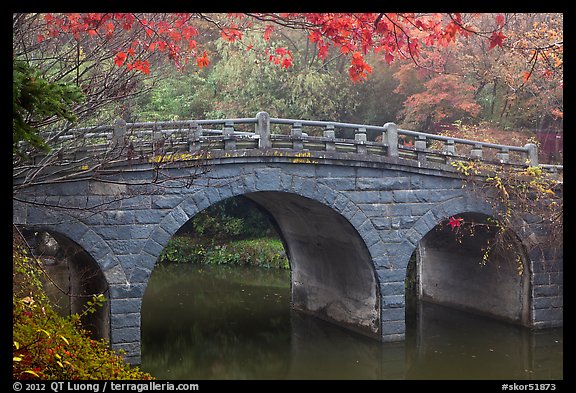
point(496, 77)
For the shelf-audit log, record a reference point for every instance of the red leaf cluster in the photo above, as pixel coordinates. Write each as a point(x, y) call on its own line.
point(282, 57)
point(203, 60)
point(170, 33)
point(455, 222)
point(359, 69)
point(396, 35)
point(231, 34)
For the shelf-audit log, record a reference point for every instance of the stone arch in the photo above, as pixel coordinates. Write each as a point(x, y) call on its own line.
point(350, 298)
point(203, 197)
point(72, 277)
point(450, 273)
point(76, 231)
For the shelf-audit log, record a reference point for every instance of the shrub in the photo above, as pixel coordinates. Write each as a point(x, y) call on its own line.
point(48, 346)
point(262, 252)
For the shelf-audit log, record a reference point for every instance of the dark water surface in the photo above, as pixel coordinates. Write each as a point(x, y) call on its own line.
point(236, 323)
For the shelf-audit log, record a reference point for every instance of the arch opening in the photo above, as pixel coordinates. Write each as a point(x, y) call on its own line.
point(331, 272)
point(452, 268)
point(73, 277)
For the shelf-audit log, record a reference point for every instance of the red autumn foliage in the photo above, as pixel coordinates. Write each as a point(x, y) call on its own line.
point(282, 56)
point(395, 35)
point(446, 98)
point(359, 68)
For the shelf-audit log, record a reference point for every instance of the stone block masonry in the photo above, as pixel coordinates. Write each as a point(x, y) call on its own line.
point(350, 227)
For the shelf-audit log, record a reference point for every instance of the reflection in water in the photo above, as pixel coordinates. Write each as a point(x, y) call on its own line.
point(451, 344)
point(236, 323)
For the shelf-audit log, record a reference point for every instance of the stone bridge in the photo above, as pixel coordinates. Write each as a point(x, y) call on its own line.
point(352, 210)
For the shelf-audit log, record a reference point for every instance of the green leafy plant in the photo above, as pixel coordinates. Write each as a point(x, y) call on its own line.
point(34, 100)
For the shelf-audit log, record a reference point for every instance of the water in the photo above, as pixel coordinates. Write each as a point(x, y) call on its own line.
point(236, 323)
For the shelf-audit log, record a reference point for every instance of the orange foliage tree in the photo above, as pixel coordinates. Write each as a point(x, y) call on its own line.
point(446, 98)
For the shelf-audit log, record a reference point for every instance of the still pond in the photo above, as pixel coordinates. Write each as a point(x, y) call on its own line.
point(225, 322)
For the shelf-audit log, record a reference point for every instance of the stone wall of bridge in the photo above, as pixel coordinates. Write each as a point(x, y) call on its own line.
point(350, 230)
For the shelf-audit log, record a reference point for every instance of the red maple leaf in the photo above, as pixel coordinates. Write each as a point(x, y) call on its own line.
point(120, 59)
point(455, 222)
point(389, 57)
point(287, 62)
point(142, 66)
point(203, 60)
point(496, 39)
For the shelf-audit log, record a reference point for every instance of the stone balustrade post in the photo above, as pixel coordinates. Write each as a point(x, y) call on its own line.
point(420, 145)
point(390, 137)
point(503, 156)
point(194, 137)
point(119, 133)
point(263, 129)
point(329, 133)
point(157, 140)
point(449, 150)
point(360, 141)
point(296, 133)
point(476, 152)
point(532, 154)
point(228, 136)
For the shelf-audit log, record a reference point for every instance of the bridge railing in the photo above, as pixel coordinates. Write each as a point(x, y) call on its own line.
point(146, 139)
point(391, 141)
